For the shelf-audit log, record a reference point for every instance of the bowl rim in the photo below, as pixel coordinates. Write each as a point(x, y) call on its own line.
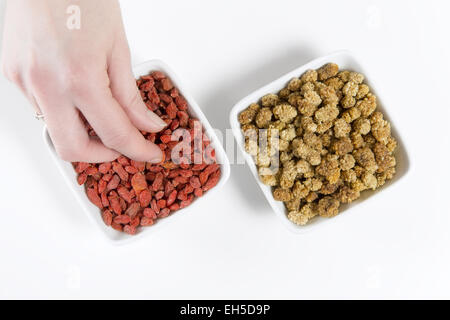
point(88, 208)
point(274, 86)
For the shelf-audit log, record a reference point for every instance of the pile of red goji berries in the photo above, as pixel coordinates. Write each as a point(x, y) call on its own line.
point(131, 193)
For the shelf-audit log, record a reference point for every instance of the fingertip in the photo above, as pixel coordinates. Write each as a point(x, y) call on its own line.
point(155, 154)
point(97, 152)
point(155, 123)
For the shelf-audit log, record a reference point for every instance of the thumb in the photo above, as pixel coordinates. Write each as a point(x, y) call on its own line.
point(125, 91)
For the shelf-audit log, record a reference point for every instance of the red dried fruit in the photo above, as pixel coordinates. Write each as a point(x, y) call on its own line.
point(81, 166)
point(183, 117)
point(131, 169)
point(117, 226)
point(123, 161)
point(104, 167)
point(166, 84)
point(198, 192)
point(139, 182)
point(107, 177)
point(133, 209)
point(199, 167)
point(163, 213)
point(165, 138)
point(159, 195)
point(195, 182)
point(91, 171)
point(161, 203)
point(115, 203)
point(94, 197)
point(105, 201)
point(122, 219)
point(149, 213)
point(107, 217)
point(139, 165)
point(144, 198)
point(206, 172)
point(172, 110)
point(212, 181)
point(172, 197)
point(145, 221)
point(181, 102)
point(129, 229)
point(158, 75)
point(154, 206)
point(125, 194)
point(102, 185)
point(118, 168)
point(157, 183)
point(82, 177)
point(135, 221)
point(113, 183)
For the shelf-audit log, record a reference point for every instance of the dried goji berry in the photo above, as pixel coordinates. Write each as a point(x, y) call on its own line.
point(81, 166)
point(212, 181)
point(107, 177)
point(158, 75)
point(195, 182)
point(183, 117)
point(186, 173)
point(104, 197)
point(129, 229)
point(133, 209)
point(149, 213)
point(181, 102)
point(165, 138)
point(135, 221)
point(102, 185)
point(107, 217)
point(123, 161)
point(145, 221)
point(161, 203)
point(125, 194)
point(139, 165)
point(117, 226)
point(91, 171)
point(122, 219)
point(172, 110)
point(114, 183)
point(154, 206)
point(104, 167)
point(157, 183)
point(144, 198)
point(172, 197)
point(118, 168)
point(164, 213)
point(94, 197)
point(166, 84)
point(159, 195)
point(131, 169)
point(138, 182)
point(198, 192)
point(82, 177)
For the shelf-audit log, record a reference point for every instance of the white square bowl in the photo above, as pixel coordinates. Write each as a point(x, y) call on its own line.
point(345, 60)
point(94, 213)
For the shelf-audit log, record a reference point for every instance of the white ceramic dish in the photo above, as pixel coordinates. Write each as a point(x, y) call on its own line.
point(345, 60)
point(93, 212)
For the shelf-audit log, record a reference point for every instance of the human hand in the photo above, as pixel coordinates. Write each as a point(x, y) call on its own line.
point(65, 72)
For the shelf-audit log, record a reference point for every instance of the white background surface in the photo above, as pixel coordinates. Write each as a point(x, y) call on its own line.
point(234, 246)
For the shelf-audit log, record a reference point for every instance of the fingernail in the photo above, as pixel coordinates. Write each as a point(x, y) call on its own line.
point(157, 159)
point(160, 123)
